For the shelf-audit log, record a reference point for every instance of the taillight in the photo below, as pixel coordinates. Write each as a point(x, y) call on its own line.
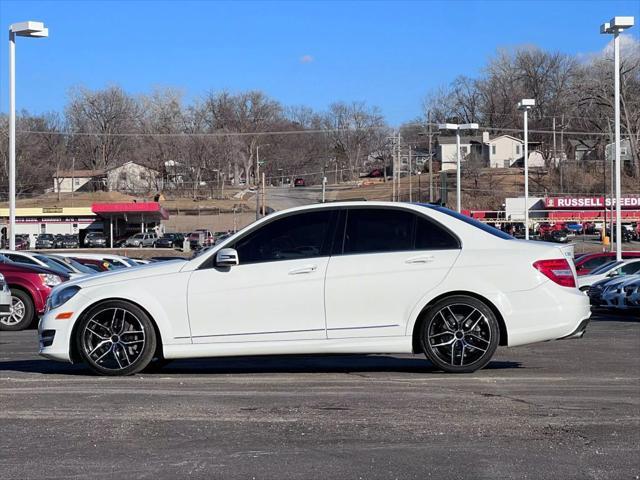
point(557, 270)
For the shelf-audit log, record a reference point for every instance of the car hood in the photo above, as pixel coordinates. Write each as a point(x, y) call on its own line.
point(610, 282)
point(132, 273)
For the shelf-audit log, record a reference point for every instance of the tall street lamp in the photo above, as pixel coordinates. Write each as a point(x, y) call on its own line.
point(257, 172)
point(22, 29)
point(525, 105)
point(614, 27)
point(457, 128)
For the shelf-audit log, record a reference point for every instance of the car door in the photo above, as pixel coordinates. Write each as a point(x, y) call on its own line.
point(391, 258)
point(277, 290)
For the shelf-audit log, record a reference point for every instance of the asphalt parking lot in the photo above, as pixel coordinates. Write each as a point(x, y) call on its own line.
point(566, 409)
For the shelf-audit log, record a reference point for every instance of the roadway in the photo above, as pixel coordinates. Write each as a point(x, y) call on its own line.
point(568, 409)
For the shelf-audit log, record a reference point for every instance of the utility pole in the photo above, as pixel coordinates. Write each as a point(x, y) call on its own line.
point(393, 171)
point(430, 160)
point(410, 172)
point(561, 152)
point(257, 178)
point(264, 203)
point(399, 161)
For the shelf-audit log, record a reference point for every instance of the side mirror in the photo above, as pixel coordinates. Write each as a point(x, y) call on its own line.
point(227, 257)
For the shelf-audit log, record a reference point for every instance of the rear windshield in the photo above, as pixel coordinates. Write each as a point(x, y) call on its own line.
point(470, 221)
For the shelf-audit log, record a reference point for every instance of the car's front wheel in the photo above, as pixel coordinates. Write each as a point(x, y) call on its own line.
point(116, 338)
point(460, 334)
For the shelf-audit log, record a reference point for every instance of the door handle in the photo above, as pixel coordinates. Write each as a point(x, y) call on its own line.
point(425, 259)
point(305, 269)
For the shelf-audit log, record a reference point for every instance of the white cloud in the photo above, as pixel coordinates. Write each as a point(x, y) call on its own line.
point(629, 45)
point(306, 59)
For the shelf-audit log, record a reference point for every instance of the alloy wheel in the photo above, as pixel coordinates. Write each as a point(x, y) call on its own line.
point(113, 339)
point(459, 334)
point(17, 310)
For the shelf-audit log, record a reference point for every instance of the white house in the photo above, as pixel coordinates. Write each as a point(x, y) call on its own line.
point(67, 181)
point(133, 177)
point(446, 151)
point(129, 177)
point(503, 151)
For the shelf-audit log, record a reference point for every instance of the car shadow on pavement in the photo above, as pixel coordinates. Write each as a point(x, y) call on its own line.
point(247, 365)
point(605, 316)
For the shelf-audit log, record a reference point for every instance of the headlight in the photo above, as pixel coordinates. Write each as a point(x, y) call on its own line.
point(61, 296)
point(50, 280)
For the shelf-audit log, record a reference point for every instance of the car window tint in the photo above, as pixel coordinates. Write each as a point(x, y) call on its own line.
point(372, 230)
point(595, 262)
point(631, 268)
point(21, 259)
point(289, 238)
point(430, 236)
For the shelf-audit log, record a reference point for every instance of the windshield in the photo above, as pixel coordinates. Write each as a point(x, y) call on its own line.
point(94, 235)
point(470, 221)
point(45, 236)
point(53, 265)
point(137, 235)
point(605, 268)
point(75, 265)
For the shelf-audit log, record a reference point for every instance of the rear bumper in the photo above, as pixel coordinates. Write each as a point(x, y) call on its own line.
point(579, 331)
point(549, 312)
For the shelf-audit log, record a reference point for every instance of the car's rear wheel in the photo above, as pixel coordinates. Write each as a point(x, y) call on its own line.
point(116, 338)
point(22, 312)
point(460, 334)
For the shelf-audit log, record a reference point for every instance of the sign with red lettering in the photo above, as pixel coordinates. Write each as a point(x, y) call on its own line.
point(589, 203)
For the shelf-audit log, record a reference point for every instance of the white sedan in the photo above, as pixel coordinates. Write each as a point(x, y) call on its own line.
point(357, 277)
point(609, 270)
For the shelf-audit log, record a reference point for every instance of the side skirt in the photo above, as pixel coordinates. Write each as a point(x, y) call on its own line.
point(400, 344)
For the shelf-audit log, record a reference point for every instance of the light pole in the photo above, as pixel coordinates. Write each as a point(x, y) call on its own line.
point(22, 29)
point(614, 27)
point(257, 179)
point(525, 105)
point(457, 128)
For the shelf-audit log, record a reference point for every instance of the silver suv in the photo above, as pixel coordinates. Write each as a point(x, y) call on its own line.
point(142, 240)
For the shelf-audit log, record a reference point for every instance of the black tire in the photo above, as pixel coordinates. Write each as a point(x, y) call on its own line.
point(116, 338)
point(459, 334)
point(16, 322)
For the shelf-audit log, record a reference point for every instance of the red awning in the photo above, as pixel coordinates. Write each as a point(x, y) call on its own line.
point(152, 209)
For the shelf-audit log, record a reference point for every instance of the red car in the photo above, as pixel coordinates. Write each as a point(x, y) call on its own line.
point(30, 287)
point(299, 182)
point(586, 263)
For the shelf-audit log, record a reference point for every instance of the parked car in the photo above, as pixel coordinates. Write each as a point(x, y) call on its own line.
point(170, 240)
point(609, 270)
point(107, 260)
point(140, 240)
point(586, 263)
point(58, 240)
point(201, 238)
point(574, 227)
point(626, 236)
point(95, 240)
point(5, 299)
point(30, 287)
point(557, 236)
point(40, 260)
point(632, 294)
point(299, 182)
point(459, 288)
point(45, 240)
point(74, 265)
point(614, 293)
point(70, 241)
point(22, 242)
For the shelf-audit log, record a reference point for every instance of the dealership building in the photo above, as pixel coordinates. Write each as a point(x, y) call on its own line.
point(562, 209)
point(113, 219)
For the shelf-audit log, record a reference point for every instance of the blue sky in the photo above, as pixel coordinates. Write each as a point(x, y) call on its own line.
point(388, 54)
